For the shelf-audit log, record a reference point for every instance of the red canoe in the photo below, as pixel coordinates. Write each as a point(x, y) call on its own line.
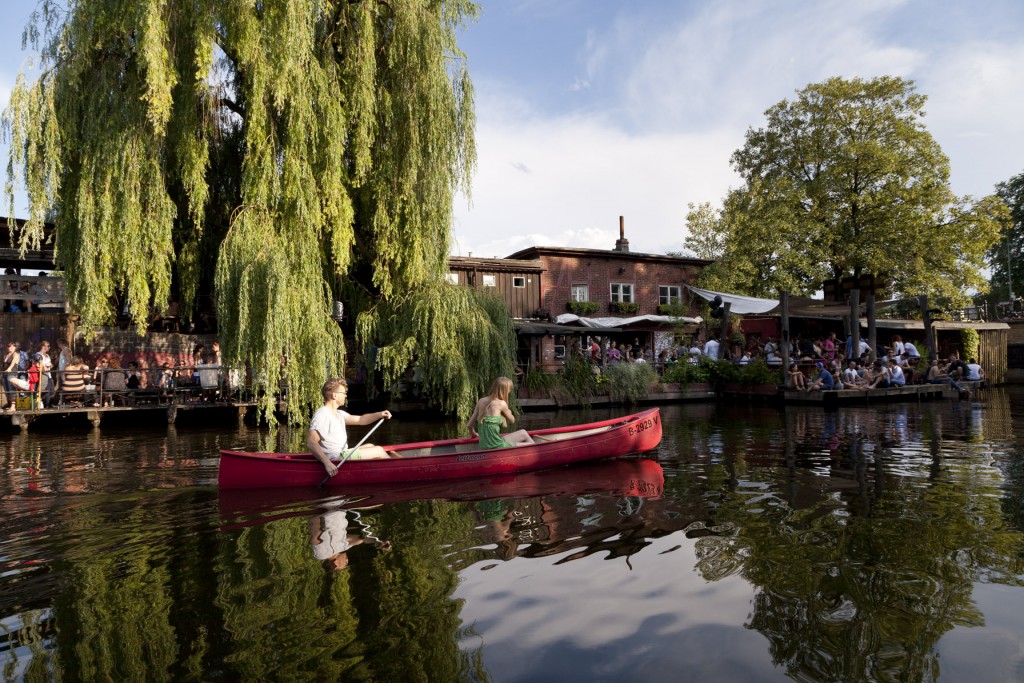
point(449, 459)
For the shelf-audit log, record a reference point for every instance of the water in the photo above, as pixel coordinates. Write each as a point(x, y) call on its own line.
point(873, 543)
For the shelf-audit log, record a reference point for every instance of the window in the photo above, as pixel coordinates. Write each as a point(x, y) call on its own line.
point(453, 278)
point(580, 293)
point(621, 292)
point(519, 282)
point(489, 281)
point(668, 295)
point(559, 351)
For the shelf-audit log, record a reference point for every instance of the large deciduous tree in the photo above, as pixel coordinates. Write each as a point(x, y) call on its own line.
point(1005, 257)
point(281, 154)
point(845, 181)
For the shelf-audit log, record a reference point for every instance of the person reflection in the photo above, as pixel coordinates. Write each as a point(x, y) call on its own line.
point(331, 539)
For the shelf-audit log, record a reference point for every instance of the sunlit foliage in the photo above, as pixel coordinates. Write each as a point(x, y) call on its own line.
point(281, 154)
point(845, 180)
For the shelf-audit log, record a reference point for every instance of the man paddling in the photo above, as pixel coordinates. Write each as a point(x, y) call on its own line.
point(328, 436)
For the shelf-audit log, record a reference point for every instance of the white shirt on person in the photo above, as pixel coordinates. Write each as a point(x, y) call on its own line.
point(331, 426)
point(911, 350)
point(973, 372)
point(711, 349)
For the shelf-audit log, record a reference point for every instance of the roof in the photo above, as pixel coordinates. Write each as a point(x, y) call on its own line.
point(494, 264)
point(537, 252)
point(551, 328)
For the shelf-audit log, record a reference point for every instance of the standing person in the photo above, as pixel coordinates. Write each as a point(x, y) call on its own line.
point(328, 436)
point(197, 360)
point(711, 347)
point(46, 367)
point(492, 413)
point(63, 361)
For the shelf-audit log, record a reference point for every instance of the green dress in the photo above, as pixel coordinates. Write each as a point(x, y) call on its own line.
point(487, 430)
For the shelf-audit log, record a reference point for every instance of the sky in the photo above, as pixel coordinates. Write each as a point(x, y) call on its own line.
point(588, 110)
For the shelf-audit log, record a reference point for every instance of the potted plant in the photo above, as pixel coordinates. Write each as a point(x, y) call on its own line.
point(623, 307)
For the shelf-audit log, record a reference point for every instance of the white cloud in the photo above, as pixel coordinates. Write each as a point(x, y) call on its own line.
point(584, 174)
point(671, 91)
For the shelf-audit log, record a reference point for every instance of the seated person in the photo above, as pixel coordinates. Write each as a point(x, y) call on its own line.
point(975, 373)
point(897, 378)
point(824, 381)
point(74, 380)
point(938, 375)
point(115, 384)
point(796, 380)
point(491, 413)
point(881, 378)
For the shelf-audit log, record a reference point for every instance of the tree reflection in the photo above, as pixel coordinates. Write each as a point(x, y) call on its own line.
point(860, 566)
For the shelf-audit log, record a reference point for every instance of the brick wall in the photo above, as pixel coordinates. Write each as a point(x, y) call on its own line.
point(598, 273)
point(155, 348)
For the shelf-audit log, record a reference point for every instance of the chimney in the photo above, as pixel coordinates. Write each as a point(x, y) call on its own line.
point(622, 244)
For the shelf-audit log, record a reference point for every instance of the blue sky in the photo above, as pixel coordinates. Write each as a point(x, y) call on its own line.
point(591, 109)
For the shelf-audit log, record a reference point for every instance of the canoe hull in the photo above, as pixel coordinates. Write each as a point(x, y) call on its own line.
point(580, 443)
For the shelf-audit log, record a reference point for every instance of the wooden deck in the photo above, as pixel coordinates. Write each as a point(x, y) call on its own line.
point(146, 412)
point(912, 392)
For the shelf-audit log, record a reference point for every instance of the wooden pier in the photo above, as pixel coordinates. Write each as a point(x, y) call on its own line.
point(154, 413)
point(911, 392)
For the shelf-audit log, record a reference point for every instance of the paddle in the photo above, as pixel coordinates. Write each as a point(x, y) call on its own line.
point(352, 450)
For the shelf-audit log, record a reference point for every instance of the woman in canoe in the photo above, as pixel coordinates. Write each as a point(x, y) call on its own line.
point(491, 414)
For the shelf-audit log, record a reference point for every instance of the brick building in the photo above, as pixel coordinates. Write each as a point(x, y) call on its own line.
point(569, 297)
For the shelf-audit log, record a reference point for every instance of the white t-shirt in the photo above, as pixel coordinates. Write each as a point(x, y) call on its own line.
point(850, 376)
point(911, 350)
point(711, 349)
point(331, 425)
point(973, 372)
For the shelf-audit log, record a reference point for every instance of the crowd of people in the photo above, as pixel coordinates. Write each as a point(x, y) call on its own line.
point(54, 380)
point(823, 362)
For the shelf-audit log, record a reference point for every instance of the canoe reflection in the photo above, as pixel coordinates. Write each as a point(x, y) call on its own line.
point(591, 507)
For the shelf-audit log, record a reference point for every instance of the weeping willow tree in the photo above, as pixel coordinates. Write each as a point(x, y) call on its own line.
point(281, 154)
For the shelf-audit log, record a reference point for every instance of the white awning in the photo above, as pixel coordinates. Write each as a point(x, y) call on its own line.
point(738, 304)
point(799, 306)
point(568, 318)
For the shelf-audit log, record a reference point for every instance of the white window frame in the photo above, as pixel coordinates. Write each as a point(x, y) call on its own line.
point(580, 293)
point(519, 281)
point(490, 280)
point(453, 278)
point(669, 294)
point(620, 292)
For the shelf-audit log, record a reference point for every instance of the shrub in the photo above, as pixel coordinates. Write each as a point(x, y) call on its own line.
point(583, 308)
point(623, 307)
point(684, 372)
point(537, 380)
point(629, 382)
point(721, 372)
point(971, 342)
point(577, 380)
point(759, 373)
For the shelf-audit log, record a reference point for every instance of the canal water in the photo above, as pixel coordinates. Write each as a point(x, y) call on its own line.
point(881, 542)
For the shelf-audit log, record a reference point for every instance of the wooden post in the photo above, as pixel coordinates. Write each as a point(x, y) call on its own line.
point(855, 323)
point(784, 342)
point(929, 333)
point(869, 300)
point(723, 337)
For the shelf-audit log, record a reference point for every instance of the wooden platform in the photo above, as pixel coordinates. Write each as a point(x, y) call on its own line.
point(912, 392)
point(21, 419)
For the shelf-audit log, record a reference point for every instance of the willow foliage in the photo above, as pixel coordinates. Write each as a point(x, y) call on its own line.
point(281, 154)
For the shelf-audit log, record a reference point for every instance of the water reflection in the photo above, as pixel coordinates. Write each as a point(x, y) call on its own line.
point(848, 545)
